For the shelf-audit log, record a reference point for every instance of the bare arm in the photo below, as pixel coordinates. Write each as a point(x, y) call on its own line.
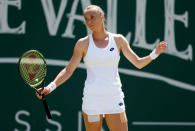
point(132, 57)
point(67, 72)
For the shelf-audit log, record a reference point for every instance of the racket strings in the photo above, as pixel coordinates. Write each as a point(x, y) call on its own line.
point(33, 68)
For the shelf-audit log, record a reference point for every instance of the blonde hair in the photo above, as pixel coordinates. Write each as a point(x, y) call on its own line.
point(95, 6)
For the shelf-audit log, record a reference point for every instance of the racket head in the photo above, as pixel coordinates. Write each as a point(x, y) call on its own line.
point(32, 68)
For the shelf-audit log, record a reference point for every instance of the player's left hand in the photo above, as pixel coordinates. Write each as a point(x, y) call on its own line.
point(161, 47)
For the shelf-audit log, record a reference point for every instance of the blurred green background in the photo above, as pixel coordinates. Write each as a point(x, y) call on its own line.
point(158, 97)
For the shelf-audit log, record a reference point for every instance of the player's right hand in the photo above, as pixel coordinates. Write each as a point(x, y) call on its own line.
point(45, 92)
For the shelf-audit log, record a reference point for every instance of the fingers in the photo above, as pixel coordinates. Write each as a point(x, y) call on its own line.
point(163, 44)
point(45, 92)
point(38, 96)
point(161, 47)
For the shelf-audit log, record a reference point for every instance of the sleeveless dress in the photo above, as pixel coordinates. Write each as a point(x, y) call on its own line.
point(102, 91)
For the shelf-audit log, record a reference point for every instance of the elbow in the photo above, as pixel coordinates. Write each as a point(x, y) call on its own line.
point(139, 67)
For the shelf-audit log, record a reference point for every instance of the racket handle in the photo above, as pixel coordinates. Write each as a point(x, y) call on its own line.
point(46, 107)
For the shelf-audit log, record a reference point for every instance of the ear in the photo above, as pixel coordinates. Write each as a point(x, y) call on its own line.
point(102, 16)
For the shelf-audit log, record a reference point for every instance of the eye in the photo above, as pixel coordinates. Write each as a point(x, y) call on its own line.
point(92, 17)
point(89, 18)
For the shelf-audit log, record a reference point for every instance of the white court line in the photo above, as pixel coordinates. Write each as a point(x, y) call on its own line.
point(140, 123)
point(142, 74)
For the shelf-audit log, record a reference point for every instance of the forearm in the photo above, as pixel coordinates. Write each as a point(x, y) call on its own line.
point(63, 76)
point(133, 58)
point(67, 72)
point(142, 62)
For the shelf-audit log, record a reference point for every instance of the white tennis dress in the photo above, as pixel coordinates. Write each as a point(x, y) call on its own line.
point(102, 92)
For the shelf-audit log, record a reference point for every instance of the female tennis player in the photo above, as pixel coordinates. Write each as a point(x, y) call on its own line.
point(102, 96)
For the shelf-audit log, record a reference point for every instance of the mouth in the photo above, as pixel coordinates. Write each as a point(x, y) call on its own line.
point(91, 27)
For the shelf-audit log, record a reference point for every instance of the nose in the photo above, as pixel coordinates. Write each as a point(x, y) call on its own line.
point(89, 21)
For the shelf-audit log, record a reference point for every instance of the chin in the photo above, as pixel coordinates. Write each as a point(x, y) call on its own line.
point(92, 29)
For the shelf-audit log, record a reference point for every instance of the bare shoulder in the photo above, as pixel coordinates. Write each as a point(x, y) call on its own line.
point(120, 40)
point(118, 36)
point(82, 45)
point(83, 42)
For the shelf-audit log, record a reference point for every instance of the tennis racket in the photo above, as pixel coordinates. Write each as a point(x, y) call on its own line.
point(33, 68)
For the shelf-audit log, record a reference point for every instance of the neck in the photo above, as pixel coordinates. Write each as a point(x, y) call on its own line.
point(100, 35)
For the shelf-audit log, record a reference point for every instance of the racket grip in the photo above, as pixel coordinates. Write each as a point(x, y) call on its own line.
point(46, 108)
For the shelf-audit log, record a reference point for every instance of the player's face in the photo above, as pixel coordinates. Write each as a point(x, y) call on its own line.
point(94, 19)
